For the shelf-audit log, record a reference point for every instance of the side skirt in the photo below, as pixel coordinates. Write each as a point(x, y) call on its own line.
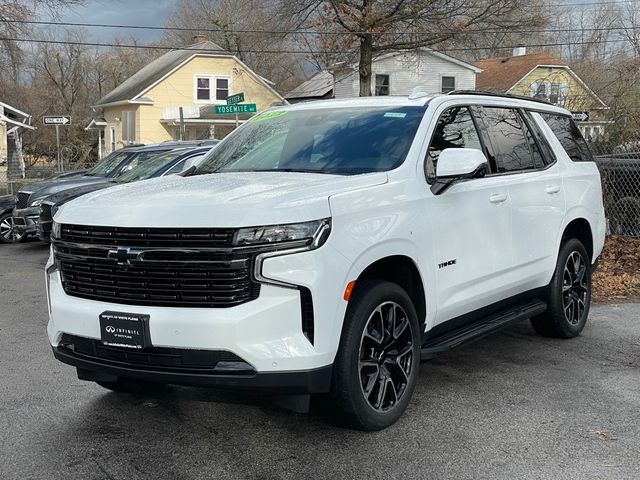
point(471, 332)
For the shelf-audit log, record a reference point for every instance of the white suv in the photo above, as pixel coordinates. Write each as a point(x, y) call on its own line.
point(329, 247)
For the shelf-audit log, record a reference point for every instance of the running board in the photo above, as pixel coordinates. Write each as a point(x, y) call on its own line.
point(476, 330)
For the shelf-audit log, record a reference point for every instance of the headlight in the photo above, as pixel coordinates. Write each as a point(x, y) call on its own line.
point(312, 234)
point(55, 230)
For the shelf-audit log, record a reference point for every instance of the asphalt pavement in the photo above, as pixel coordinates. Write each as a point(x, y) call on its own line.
point(511, 406)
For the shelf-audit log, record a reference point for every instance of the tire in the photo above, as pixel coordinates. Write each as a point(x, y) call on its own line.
point(8, 233)
point(363, 367)
point(569, 294)
point(125, 385)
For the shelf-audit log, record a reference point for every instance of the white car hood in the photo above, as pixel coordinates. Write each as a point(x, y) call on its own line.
point(215, 200)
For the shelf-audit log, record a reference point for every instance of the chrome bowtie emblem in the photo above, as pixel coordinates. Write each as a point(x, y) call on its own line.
point(124, 256)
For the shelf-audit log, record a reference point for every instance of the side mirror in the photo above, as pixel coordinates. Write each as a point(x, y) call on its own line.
point(455, 163)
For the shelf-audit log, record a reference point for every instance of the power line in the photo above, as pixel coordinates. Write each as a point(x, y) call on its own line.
point(300, 52)
point(309, 32)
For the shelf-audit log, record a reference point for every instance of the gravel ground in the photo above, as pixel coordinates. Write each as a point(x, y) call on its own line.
point(513, 405)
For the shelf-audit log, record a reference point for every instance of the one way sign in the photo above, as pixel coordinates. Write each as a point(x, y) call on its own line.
point(57, 120)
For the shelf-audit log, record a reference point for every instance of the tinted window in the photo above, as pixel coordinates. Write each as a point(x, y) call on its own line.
point(513, 146)
point(348, 140)
point(108, 164)
point(568, 134)
point(455, 129)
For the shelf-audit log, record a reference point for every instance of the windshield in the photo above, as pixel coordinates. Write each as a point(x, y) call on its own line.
point(147, 165)
point(107, 164)
point(334, 141)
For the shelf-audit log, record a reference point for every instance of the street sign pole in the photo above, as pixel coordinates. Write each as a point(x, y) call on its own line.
point(58, 120)
point(60, 168)
point(236, 120)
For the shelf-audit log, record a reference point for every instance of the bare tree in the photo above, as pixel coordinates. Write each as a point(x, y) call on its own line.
point(249, 29)
point(373, 27)
point(12, 13)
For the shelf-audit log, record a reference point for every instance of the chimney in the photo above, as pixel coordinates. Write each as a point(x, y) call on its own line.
point(199, 39)
point(519, 51)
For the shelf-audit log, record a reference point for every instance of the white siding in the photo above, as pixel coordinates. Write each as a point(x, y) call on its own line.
point(406, 72)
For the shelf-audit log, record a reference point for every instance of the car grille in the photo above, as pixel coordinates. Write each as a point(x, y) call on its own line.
point(155, 267)
point(158, 358)
point(45, 212)
point(22, 200)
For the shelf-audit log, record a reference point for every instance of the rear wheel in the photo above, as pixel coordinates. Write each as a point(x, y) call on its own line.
point(8, 231)
point(569, 295)
point(376, 367)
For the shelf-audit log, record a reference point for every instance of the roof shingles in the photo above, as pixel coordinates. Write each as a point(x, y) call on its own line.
point(154, 71)
point(500, 74)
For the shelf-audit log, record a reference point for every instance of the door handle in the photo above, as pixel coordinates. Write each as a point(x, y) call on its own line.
point(498, 197)
point(551, 189)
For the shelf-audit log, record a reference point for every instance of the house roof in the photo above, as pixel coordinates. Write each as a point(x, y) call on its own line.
point(317, 86)
point(14, 110)
point(500, 74)
point(156, 70)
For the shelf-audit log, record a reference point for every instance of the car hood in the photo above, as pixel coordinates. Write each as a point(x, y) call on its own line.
point(44, 189)
point(7, 201)
point(218, 200)
point(70, 193)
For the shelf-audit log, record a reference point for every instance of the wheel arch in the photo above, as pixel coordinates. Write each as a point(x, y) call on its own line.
point(403, 271)
point(580, 229)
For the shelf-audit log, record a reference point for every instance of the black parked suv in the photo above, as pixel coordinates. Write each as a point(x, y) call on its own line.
point(164, 163)
point(30, 197)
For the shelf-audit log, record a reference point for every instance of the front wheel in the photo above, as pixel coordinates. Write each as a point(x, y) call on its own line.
point(569, 294)
point(376, 368)
point(8, 231)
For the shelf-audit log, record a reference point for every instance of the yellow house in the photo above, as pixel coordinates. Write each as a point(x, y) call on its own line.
point(174, 98)
point(543, 76)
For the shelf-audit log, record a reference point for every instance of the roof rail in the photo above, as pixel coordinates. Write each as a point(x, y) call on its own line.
point(501, 95)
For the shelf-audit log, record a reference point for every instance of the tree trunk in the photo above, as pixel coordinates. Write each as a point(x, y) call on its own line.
point(364, 68)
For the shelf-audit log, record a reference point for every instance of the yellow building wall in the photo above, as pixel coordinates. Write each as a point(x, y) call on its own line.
point(578, 98)
point(113, 117)
point(178, 90)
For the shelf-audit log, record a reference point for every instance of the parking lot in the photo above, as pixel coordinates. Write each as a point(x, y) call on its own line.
point(514, 405)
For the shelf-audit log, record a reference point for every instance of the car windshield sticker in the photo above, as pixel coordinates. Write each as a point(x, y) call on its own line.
point(395, 115)
point(267, 115)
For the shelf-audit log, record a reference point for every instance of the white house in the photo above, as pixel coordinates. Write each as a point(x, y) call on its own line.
point(395, 73)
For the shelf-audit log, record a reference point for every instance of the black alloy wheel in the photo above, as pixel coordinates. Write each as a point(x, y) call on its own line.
point(569, 294)
point(574, 288)
point(376, 368)
point(386, 356)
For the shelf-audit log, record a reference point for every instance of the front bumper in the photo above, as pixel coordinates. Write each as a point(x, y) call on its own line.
point(295, 382)
point(26, 219)
point(43, 230)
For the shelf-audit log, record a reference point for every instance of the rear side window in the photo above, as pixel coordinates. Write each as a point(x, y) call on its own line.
point(514, 148)
point(455, 129)
point(568, 134)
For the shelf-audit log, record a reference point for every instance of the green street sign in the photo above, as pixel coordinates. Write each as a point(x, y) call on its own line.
point(243, 108)
point(237, 98)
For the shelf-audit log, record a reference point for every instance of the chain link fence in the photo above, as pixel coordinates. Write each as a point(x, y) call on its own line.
point(620, 174)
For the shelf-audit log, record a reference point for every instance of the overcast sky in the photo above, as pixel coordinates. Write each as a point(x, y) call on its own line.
point(122, 12)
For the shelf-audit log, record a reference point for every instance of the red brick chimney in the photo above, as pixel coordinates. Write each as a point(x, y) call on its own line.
point(199, 39)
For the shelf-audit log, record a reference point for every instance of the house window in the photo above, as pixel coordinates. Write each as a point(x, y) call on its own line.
point(448, 84)
point(222, 88)
point(382, 85)
point(203, 88)
point(112, 138)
